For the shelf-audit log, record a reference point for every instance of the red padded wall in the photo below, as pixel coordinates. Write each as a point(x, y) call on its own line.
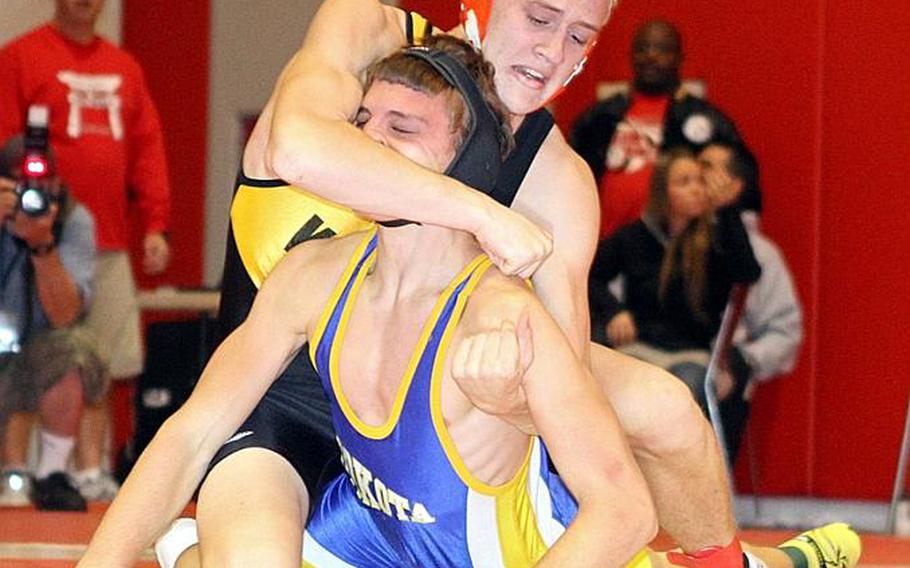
point(863, 379)
point(171, 42)
point(818, 89)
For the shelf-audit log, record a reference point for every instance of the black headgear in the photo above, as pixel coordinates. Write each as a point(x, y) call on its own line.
point(478, 161)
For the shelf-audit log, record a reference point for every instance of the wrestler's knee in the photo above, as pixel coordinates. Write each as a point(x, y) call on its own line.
point(251, 512)
point(660, 416)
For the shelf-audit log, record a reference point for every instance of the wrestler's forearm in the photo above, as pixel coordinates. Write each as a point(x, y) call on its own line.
point(160, 485)
point(590, 451)
point(337, 161)
point(591, 542)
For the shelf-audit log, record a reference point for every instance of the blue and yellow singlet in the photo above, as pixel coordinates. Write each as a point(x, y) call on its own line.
point(407, 499)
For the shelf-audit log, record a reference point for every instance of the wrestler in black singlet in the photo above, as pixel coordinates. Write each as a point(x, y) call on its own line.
point(293, 418)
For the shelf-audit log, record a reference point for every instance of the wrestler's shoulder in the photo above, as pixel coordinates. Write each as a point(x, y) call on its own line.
point(558, 178)
point(557, 157)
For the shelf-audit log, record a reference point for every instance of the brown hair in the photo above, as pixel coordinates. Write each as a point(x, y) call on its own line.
point(414, 73)
point(685, 254)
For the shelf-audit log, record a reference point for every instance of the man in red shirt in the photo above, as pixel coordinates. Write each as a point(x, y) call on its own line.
point(620, 137)
point(109, 145)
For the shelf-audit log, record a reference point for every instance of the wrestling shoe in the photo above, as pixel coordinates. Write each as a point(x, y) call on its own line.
point(98, 487)
point(56, 493)
point(180, 536)
point(15, 488)
point(831, 546)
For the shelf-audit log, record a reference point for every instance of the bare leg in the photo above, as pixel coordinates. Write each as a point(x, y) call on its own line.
point(61, 406)
point(251, 512)
point(675, 448)
point(15, 440)
point(59, 409)
point(92, 432)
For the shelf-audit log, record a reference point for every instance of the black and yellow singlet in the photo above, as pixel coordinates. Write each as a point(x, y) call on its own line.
point(268, 217)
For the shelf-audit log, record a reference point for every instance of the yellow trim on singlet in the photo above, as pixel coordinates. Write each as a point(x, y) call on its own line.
point(383, 430)
point(442, 432)
point(336, 293)
point(265, 219)
point(516, 521)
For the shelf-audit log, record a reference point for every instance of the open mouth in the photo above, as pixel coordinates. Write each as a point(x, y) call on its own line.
point(530, 76)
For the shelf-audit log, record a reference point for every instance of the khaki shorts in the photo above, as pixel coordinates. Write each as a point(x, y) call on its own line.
point(114, 316)
point(44, 360)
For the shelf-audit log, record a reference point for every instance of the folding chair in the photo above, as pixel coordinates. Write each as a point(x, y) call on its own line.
point(901, 476)
point(732, 313)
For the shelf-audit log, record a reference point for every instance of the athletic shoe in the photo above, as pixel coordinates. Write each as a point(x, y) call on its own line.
point(831, 546)
point(100, 487)
point(56, 493)
point(180, 536)
point(15, 489)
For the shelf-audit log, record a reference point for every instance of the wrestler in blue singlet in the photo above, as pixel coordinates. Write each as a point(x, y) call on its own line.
point(406, 498)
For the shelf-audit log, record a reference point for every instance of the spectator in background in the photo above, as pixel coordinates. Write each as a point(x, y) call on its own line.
point(621, 136)
point(47, 263)
point(680, 261)
point(110, 150)
point(767, 341)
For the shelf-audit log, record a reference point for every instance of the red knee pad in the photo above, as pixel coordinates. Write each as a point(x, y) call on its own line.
point(730, 556)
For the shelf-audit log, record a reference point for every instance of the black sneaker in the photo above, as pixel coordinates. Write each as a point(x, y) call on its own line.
point(56, 493)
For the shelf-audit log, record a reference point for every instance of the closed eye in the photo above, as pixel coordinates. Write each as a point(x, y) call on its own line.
point(362, 117)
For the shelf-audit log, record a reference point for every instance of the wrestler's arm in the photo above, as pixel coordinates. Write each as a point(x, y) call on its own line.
point(235, 379)
point(558, 194)
point(590, 452)
point(562, 197)
point(571, 413)
point(305, 138)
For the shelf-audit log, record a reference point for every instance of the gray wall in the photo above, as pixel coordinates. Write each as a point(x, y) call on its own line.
point(251, 42)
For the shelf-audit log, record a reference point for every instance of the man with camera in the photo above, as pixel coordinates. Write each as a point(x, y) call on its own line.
point(110, 150)
point(48, 365)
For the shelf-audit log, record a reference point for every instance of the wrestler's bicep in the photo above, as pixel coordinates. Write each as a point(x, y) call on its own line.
point(345, 37)
point(570, 209)
point(351, 34)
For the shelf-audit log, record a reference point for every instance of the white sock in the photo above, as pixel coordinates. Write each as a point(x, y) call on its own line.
point(753, 561)
point(179, 537)
point(87, 474)
point(55, 450)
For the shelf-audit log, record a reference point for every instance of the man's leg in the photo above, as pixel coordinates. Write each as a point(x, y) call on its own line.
point(16, 490)
point(114, 322)
point(675, 448)
point(92, 435)
point(59, 409)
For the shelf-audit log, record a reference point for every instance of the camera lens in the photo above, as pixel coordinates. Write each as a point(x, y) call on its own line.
point(33, 201)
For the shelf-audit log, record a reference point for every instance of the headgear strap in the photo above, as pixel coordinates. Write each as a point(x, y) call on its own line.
point(478, 161)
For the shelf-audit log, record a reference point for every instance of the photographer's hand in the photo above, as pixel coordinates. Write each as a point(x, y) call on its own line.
point(7, 198)
point(37, 232)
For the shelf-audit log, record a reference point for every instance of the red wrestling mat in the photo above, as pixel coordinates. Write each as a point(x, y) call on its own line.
point(33, 539)
point(39, 539)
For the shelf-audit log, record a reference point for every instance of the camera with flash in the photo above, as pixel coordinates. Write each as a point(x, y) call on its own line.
point(33, 199)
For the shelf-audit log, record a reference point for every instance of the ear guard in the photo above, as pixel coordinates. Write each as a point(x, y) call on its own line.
point(478, 161)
